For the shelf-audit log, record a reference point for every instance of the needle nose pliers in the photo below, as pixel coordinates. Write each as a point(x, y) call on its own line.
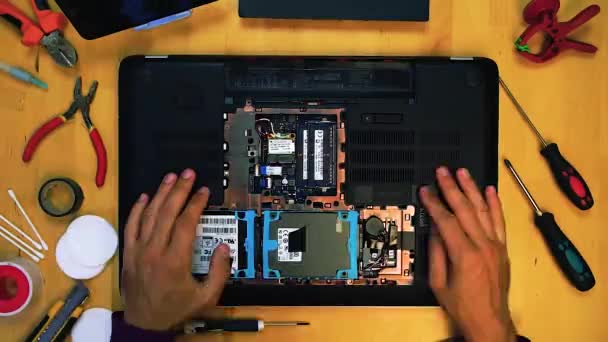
point(82, 103)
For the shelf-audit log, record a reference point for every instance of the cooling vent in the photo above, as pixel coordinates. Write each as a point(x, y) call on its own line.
point(383, 166)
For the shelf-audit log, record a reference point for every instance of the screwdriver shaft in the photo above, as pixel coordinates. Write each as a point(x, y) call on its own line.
point(523, 113)
point(524, 188)
point(284, 324)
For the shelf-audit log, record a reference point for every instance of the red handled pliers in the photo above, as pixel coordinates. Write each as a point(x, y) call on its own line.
point(83, 103)
point(46, 33)
point(541, 15)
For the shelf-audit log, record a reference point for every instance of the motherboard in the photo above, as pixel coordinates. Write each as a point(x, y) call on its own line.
point(284, 214)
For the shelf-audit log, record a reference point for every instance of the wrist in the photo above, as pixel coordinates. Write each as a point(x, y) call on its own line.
point(143, 323)
point(124, 331)
point(494, 331)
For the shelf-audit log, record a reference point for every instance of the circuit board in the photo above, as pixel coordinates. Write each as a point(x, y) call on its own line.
point(290, 162)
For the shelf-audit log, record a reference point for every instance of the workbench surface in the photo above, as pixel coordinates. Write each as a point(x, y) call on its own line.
point(567, 99)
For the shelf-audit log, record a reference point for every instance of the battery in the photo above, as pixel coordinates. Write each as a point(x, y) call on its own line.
point(233, 228)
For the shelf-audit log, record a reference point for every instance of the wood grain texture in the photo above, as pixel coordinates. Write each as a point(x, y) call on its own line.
point(566, 97)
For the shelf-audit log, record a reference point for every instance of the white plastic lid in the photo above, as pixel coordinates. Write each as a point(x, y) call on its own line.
point(92, 240)
point(70, 266)
point(94, 325)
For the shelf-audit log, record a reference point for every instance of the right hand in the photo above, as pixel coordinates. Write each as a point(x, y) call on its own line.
point(469, 265)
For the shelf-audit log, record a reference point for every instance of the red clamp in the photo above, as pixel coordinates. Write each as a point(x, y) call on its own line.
point(541, 15)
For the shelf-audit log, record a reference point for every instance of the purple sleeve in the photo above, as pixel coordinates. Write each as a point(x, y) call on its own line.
point(123, 332)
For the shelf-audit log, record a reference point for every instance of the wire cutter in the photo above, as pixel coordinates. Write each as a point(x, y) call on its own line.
point(83, 103)
point(48, 31)
point(541, 15)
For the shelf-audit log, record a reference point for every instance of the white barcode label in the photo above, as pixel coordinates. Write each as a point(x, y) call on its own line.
point(211, 232)
point(281, 146)
point(305, 154)
point(219, 230)
point(217, 220)
point(283, 251)
point(319, 155)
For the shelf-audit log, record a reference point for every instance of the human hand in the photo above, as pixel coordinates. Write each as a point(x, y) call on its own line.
point(469, 265)
point(159, 291)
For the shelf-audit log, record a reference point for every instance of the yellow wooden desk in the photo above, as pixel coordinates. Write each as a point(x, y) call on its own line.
point(568, 99)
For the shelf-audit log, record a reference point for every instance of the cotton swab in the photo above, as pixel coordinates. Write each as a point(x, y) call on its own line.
point(35, 258)
point(12, 195)
point(27, 237)
point(18, 240)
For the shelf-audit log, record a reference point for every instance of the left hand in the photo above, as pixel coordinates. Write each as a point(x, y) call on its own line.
point(159, 291)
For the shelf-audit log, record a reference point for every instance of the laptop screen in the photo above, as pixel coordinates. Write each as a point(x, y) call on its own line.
point(94, 19)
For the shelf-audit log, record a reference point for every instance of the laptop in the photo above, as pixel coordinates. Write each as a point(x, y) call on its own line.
point(395, 10)
point(95, 19)
point(313, 163)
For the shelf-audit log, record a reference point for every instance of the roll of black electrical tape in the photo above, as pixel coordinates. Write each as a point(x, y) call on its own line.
point(60, 197)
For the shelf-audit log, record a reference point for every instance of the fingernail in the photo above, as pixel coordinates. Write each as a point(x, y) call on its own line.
point(443, 171)
point(465, 173)
point(424, 190)
point(170, 178)
point(203, 190)
point(142, 198)
point(223, 251)
point(491, 189)
point(187, 174)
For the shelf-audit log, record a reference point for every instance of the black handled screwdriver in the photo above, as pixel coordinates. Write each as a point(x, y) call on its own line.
point(568, 258)
point(568, 178)
point(237, 325)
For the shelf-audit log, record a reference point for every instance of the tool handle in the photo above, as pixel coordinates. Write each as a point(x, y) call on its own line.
point(578, 46)
point(581, 18)
point(102, 157)
point(241, 325)
point(39, 135)
point(32, 336)
point(32, 34)
point(571, 262)
point(66, 330)
point(569, 180)
point(48, 19)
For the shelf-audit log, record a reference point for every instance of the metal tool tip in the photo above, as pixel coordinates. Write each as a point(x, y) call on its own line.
point(303, 323)
point(508, 163)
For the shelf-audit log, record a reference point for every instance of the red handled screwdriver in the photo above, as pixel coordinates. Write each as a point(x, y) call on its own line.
point(568, 258)
point(568, 178)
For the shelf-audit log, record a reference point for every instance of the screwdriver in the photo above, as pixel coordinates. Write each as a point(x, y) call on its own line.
point(22, 75)
point(568, 258)
point(567, 177)
point(239, 325)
